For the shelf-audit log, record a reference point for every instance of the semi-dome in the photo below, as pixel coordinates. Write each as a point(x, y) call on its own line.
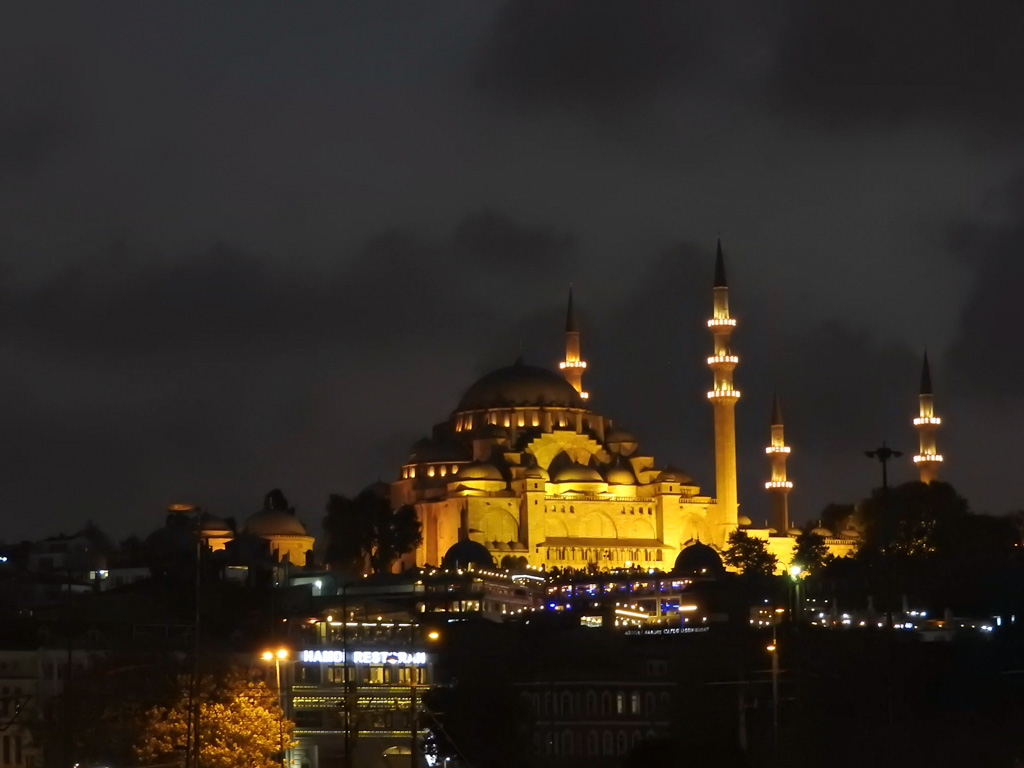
point(743, 520)
point(479, 470)
point(578, 473)
point(465, 553)
point(672, 474)
point(537, 473)
point(824, 532)
point(698, 560)
point(520, 385)
point(620, 472)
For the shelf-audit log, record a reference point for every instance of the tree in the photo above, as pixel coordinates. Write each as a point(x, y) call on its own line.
point(811, 552)
point(241, 725)
point(365, 530)
point(750, 555)
point(912, 520)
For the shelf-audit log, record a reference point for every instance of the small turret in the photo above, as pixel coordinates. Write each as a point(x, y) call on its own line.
point(573, 366)
point(928, 459)
point(778, 487)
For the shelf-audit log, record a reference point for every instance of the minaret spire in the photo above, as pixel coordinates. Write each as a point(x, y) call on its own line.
point(778, 487)
point(928, 460)
point(573, 365)
point(723, 400)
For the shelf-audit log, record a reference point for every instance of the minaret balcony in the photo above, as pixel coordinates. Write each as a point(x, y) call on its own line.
point(572, 364)
point(584, 395)
point(771, 484)
point(777, 449)
point(921, 420)
point(723, 360)
point(928, 458)
point(722, 322)
point(724, 394)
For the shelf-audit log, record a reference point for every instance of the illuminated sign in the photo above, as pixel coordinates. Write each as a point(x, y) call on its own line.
point(364, 657)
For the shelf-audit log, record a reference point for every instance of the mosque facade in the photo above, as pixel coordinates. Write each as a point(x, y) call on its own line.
point(526, 468)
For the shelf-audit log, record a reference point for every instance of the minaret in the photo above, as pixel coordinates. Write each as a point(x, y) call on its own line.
point(778, 487)
point(927, 423)
point(723, 399)
point(572, 367)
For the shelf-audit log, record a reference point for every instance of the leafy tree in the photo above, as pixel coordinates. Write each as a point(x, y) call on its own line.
point(913, 520)
point(811, 552)
point(749, 554)
point(365, 530)
point(241, 725)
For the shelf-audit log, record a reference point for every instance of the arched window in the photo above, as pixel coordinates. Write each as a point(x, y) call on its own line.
point(620, 703)
point(592, 743)
point(549, 703)
point(591, 705)
point(608, 743)
point(634, 703)
point(649, 704)
point(664, 702)
point(621, 743)
point(566, 703)
point(606, 703)
point(636, 738)
point(566, 742)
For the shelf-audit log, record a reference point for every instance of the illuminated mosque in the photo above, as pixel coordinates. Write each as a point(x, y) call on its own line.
point(525, 473)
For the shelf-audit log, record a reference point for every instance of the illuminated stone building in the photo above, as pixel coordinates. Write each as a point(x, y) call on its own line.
point(526, 467)
point(928, 460)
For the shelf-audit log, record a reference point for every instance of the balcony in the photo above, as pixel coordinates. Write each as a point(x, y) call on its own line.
point(722, 322)
point(927, 420)
point(723, 360)
point(777, 449)
point(927, 458)
point(778, 484)
point(724, 394)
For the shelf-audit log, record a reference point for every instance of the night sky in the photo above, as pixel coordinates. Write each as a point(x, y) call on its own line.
point(258, 245)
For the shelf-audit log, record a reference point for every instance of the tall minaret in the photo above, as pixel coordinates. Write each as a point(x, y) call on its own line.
point(723, 399)
point(927, 423)
point(572, 367)
point(778, 487)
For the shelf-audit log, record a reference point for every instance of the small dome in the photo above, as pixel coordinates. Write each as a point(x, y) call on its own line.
point(275, 519)
point(795, 531)
point(273, 522)
point(698, 560)
point(209, 524)
point(620, 472)
point(478, 470)
point(743, 520)
point(520, 385)
point(537, 473)
point(673, 475)
point(851, 533)
point(466, 553)
point(578, 473)
point(825, 532)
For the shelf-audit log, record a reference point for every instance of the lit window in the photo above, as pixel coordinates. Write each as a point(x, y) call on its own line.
point(430, 471)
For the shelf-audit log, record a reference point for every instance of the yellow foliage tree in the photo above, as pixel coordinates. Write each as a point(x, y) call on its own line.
point(241, 725)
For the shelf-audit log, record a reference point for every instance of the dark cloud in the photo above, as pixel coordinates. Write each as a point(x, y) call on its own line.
point(587, 53)
point(216, 375)
point(986, 358)
point(872, 61)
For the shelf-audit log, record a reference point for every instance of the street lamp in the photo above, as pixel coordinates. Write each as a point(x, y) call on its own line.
point(796, 573)
point(281, 654)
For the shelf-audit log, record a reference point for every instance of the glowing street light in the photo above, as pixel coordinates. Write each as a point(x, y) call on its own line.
point(278, 656)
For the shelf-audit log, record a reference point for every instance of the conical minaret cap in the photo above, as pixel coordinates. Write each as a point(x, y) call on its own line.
point(570, 316)
point(776, 410)
point(720, 267)
point(926, 377)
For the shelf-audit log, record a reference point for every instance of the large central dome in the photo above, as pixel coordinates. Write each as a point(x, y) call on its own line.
point(520, 385)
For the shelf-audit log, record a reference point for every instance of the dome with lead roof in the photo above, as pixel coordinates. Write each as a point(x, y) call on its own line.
point(520, 385)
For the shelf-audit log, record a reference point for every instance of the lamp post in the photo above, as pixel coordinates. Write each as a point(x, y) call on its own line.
point(883, 454)
point(281, 654)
